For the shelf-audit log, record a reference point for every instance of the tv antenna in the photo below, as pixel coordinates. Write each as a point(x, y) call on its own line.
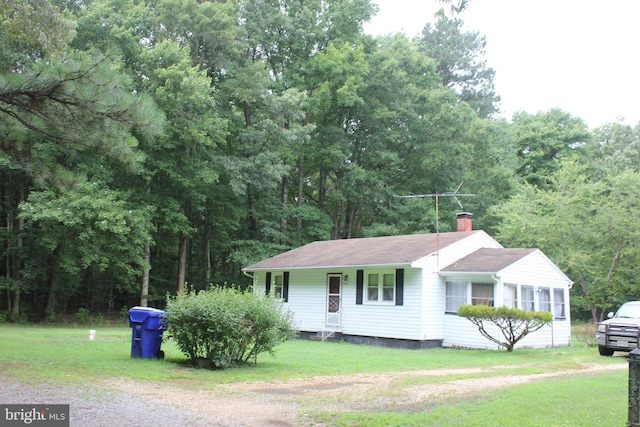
point(436, 195)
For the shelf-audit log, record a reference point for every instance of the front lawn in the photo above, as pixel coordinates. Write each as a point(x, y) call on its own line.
point(66, 355)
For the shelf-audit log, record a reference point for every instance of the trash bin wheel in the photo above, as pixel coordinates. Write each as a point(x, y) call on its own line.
point(160, 354)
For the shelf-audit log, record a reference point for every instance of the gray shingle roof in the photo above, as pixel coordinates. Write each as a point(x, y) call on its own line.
point(389, 250)
point(488, 260)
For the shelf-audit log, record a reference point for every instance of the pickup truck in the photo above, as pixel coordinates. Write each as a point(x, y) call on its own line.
point(620, 331)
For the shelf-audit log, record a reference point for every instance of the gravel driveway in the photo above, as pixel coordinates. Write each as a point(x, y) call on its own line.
point(100, 407)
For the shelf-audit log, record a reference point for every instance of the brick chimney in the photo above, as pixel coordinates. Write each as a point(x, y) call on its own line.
point(465, 221)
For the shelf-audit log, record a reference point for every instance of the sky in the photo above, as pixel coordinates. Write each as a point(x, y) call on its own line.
point(582, 56)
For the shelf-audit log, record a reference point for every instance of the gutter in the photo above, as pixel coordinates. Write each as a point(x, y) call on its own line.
point(328, 267)
point(468, 273)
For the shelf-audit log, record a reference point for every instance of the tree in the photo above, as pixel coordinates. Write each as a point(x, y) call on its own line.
point(183, 159)
point(457, 6)
point(79, 231)
point(59, 108)
point(542, 139)
point(31, 30)
point(394, 131)
point(513, 324)
point(460, 64)
point(614, 145)
point(583, 225)
point(236, 129)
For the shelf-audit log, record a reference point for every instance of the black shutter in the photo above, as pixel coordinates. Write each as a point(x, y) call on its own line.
point(359, 286)
point(285, 286)
point(267, 284)
point(399, 286)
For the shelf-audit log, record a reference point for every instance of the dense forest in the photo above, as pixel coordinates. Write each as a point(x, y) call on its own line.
point(150, 145)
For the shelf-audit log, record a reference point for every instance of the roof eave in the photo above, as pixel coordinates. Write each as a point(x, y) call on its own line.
point(319, 267)
point(466, 273)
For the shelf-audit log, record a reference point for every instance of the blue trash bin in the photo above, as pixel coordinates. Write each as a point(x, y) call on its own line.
point(147, 326)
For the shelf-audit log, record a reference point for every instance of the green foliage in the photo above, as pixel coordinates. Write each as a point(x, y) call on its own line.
point(103, 223)
point(514, 324)
point(30, 29)
point(215, 134)
point(544, 138)
point(460, 63)
point(224, 326)
point(81, 317)
point(582, 223)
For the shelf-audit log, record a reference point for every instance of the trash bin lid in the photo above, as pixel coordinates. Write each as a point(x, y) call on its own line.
point(140, 314)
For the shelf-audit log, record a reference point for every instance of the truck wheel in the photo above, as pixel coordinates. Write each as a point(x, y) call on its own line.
point(604, 351)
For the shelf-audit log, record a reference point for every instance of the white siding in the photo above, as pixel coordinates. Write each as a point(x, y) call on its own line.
point(433, 321)
point(385, 321)
point(307, 299)
point(422, 315)
point(538, 271)
point(533, 270)
point(462, 333)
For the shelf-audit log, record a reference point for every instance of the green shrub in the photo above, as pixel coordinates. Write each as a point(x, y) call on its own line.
point(514, 324)
point(81, 317)
point(225, 326)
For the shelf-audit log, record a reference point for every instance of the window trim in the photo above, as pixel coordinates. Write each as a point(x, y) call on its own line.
point(478, 300)
point(557, 303)
point(522, 294)
point(530, 303)
point(272, 285)
point(510, 290)
point(454, 298)
point(468, 294)
point(278, 277)
point(380, 287)
point(548, 303)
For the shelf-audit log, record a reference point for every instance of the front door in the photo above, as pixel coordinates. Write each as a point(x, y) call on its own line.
point(334, 302)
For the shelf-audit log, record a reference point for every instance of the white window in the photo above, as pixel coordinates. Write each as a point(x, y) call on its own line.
point(544, 299)
point(277, 285)
point(510, 299)
point(381, 287)
point(482, 294)
point(528, 303)
point(558, 304)
point(456, 295)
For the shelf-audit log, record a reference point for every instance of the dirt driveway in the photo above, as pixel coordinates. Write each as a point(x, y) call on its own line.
point(286, 403)
point(122, 401)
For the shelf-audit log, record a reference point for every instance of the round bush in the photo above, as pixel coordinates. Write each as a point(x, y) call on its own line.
point(225, 326)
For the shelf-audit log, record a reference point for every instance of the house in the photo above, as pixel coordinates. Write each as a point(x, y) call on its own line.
point(404, 291)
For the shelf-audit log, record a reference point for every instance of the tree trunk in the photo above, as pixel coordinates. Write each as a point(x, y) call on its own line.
point(300, 193)
point(322, 189)
point(182, 261)
point(14, 259)
point(285, 209)
point(592, 306)
point(253, 222)
point(15, 306)
point(207, 249)
point(50, 308)
point(336, 233)
point(144, 297)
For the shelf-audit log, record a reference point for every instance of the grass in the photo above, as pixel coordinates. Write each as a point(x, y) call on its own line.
point(598, 400)
point(65, 355)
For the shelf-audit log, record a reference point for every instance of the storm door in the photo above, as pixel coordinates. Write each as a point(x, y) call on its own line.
point(334, 300)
